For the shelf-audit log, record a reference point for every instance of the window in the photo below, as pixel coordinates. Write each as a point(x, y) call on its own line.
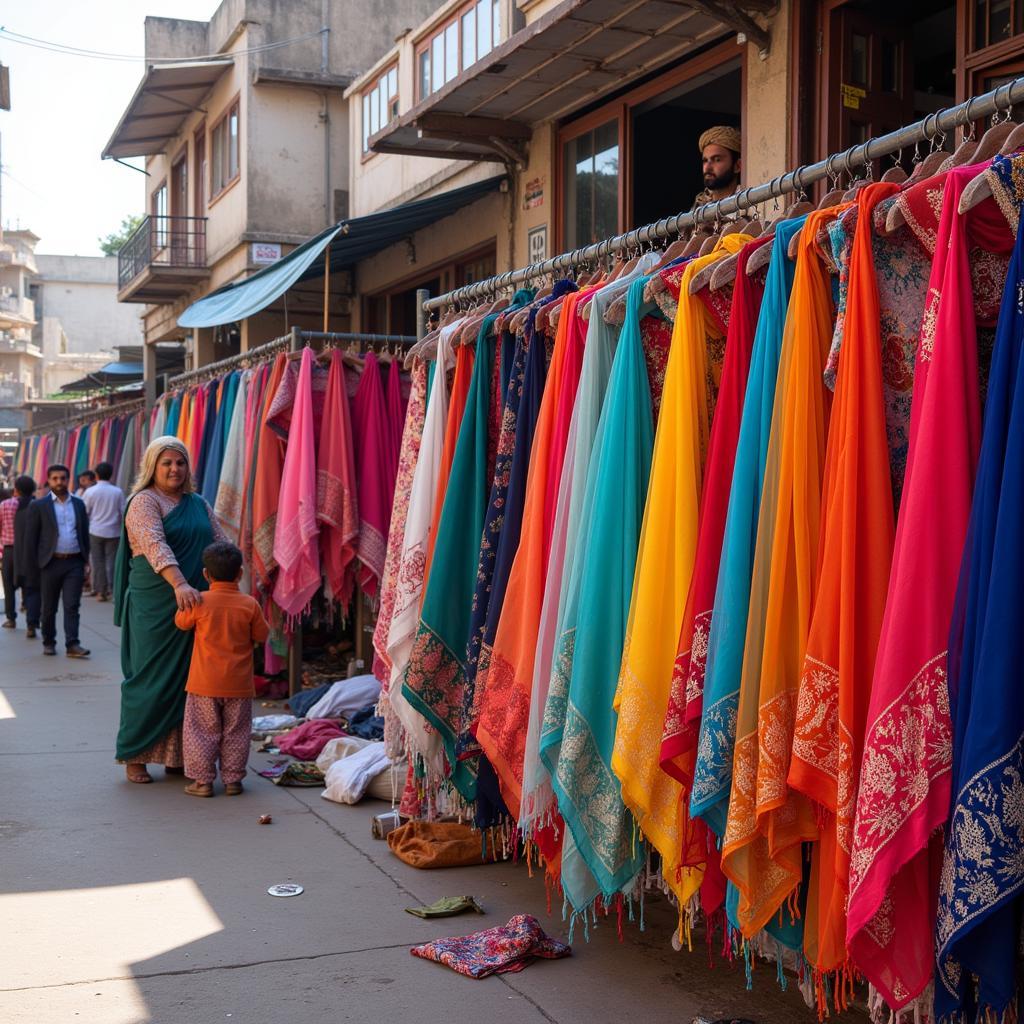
point(468, 36)
point(590, 164)
point(158, 208)
point(224, 162)
point(380, 104)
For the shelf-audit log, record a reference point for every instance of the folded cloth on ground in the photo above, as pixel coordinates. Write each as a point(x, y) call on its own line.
point(388, 784)
point(366, 724)
point(447, 906)
point(268, 723)
point(307, 740)
point(346, 697)
point(299, 773)
point(338, 748)
point(502, 950)
point(438, 844)
point(347, 779)
point(302, 701)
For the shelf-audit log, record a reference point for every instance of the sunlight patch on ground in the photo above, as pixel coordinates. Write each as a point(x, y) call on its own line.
point(60, 937)
point(6, 711)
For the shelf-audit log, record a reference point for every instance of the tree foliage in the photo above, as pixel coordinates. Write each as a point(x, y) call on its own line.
point(113, 242)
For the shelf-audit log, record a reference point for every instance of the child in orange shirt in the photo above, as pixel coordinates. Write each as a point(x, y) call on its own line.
point(218, 708)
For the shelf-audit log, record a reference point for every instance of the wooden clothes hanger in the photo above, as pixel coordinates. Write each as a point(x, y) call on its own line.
point(978, 190)
point(763, 256)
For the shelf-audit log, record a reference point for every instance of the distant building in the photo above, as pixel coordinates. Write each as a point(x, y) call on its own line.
point(79, 322)
point(21, 359)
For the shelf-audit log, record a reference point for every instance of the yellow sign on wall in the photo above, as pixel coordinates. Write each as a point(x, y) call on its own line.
point(852, 95)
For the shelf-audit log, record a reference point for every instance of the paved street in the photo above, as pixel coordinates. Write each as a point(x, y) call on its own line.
point(124, 904)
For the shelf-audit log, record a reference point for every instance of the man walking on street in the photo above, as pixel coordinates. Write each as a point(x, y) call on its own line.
point(58, 537)
point(105, 504)
point(13, 528)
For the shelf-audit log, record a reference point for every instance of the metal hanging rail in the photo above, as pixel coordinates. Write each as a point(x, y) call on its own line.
point(80, 419)
point(934, 125)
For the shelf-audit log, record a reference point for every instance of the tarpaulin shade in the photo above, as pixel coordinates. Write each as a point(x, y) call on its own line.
point(351, 241)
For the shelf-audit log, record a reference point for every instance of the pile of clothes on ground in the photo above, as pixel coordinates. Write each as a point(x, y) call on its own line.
point(334, 738)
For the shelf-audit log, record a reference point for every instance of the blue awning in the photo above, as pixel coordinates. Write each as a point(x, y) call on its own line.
point(351, 241)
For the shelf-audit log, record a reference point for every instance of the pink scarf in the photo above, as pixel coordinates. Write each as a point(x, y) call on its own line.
point(396, 416)
point(904, 793)
point(296, 532)
point(336, 488)
point(376, 478)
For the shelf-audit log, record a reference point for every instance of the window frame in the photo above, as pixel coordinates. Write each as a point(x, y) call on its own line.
point(365, 134)
point(234, 106)
point(425, 45)
point(973, 63)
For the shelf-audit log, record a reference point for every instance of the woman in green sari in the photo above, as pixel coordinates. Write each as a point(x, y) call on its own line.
point(159, 570)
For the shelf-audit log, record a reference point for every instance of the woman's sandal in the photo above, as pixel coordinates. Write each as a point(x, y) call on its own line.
point(199, 789)
point(232, 788)
point(137, 773)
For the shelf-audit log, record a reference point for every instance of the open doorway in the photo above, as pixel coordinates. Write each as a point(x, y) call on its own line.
point(672, 123)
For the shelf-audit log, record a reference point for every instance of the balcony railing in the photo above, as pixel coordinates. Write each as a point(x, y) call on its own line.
point(162, 241)
point(23, 308)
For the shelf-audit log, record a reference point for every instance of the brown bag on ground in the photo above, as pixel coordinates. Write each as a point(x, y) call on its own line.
point(437, 844)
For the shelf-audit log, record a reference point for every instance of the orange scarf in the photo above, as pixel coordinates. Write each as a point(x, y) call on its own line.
point(761, 851)
point(856, 551)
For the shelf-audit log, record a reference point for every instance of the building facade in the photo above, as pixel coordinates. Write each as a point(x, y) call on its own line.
point(246, 151)
point(21, 359)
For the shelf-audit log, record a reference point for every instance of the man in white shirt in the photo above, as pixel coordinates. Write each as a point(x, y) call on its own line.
point(58, 537)
point(105, 503)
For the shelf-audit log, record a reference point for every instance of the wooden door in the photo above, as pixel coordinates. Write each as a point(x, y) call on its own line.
point(199, 193)
point(868, 78)
point(179, 212)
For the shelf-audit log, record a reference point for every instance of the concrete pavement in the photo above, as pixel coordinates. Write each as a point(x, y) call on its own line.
point(124, 904)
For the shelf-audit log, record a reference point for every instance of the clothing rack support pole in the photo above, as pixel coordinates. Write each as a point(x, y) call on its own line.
point(295, 344)
point(149, 374)
point(327, 284)
point(422, 294)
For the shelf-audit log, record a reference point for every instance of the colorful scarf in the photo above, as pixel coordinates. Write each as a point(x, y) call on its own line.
point(889, 931)
point(336, 505)
point(682, 720)
point(218, 442)
point(266, 479)
point(410, 452)
point(978, 926)
point(374, 472)
point(603, 859)
point(423, 740)
point(228, 503)
point(713, 767)
point(395, 414)
point(296, 533)
point(664, 569)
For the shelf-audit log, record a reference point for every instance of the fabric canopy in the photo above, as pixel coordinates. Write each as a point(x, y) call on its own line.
point(350, 241)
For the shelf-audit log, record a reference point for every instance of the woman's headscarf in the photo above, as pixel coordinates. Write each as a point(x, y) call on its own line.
point(150, 457)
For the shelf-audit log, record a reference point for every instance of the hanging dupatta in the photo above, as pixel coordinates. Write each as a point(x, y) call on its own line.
point(465, 356)
point(979, 913)
point(253, 412)
point(767, 823)
point(337, 508)
point(231, 484)
point(296, 532)
point(266, 479)
point(891, 885)
point(207, 429)
point(423, 740)
point(664, 568)
point(218, 441)
point(129, 456)
point(412, 436)
point(375, 477)
point(395, 413)
point(436, 676)
point(500, 717)
point(682, 720)
point(537, 803)
point(713, 766)
point(602, 858)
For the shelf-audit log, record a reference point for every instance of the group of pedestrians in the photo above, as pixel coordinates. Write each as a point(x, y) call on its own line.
point(48, 541)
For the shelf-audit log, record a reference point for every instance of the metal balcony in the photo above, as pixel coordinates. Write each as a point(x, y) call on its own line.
point(163, 259)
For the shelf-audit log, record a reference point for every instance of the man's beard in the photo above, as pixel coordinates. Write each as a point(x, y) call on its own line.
point(722, 181)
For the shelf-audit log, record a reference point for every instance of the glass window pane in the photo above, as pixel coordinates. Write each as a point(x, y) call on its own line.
point(497, 21)
point(859, 58)
point(606, 181)
point(375, 111)
point(233, 144)
point(437, 62)
point(591, 185)
point(483, 28)
point(216, 142)
point(469, 38)
point(366, 122)
point(980, 24)
point(998, 21)
point(425, 73)
point(892, 74)
point(392, 82)
point(451, 51)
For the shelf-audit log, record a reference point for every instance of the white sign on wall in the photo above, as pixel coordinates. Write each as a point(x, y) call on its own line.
point(538, 243)
point(266, 252)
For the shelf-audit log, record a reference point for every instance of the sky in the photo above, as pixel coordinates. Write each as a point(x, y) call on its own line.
point(64, 110)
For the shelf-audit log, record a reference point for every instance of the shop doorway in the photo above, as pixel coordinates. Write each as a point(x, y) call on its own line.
point(667, 172)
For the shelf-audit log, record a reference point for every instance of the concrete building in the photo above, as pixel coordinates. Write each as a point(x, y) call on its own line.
point(21, 359)
point(246, 150)
point(79, 322)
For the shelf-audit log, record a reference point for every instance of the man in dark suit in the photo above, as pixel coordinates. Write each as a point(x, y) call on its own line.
point(58, 535)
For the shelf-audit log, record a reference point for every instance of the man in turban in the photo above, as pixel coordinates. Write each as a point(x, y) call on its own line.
point(720, 153)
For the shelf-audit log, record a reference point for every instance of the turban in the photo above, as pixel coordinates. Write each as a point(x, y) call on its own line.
point(721, 135)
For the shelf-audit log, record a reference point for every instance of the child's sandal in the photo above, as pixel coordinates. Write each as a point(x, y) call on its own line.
point(232, 788)
point(199, 789)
